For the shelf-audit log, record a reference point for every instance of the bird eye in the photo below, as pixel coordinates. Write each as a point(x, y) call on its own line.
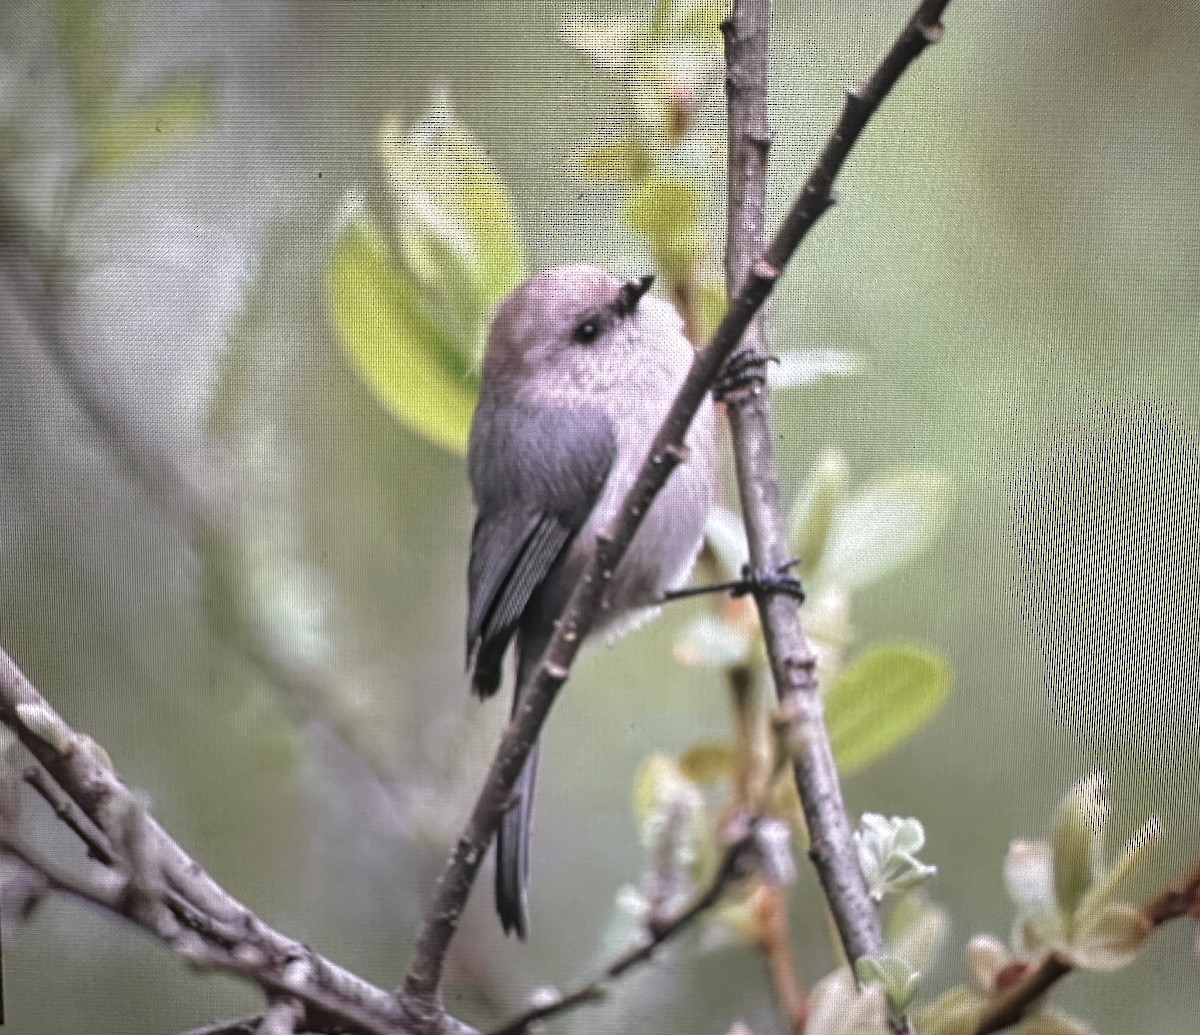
point(586, 332)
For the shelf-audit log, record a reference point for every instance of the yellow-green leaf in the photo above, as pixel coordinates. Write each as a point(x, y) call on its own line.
point(881, 698)
point(707, 762)
point(1112, 939)
point(149, 129)
point(403, 356)
point(813, 513)
point(1076, 842)
point(666, 210)
point(457, 230)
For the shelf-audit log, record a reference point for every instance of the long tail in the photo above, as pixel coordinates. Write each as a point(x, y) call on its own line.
point(512, 854)
point(512, 839)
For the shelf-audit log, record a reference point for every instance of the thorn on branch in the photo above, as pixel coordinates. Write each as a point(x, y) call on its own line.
point(933, 33)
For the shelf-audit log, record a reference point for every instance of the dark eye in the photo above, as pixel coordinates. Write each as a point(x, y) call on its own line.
point(586, 332)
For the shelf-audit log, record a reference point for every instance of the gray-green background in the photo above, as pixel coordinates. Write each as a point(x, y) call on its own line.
point(1016, 261)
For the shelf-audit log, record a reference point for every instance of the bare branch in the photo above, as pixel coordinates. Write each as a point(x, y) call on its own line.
point(158, 886)
point(792, 659)
point(70, 814)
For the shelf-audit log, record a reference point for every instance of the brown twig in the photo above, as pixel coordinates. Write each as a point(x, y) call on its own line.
point(793, 666)
point(775, 945)
point(1181, 899)
point(733, 867)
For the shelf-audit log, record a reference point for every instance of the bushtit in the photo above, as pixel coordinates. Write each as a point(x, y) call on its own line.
point(579, 371)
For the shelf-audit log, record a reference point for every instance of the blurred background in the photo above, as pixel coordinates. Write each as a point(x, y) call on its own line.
point(226, 561)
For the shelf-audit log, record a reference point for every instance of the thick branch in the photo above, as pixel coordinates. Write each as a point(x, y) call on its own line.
point(459, 872)
point(158, 886)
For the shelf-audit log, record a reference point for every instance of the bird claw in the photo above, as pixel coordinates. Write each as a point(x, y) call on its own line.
point(744, 368)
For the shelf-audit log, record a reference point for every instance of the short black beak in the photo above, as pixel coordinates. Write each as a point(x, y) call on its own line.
point(631, 293)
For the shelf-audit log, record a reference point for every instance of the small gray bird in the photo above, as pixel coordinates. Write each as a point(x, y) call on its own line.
point(579, 371)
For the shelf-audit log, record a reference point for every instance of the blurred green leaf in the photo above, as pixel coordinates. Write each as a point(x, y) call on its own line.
point(456, 228)
point(403, 356)
point(1112, 939)
point(1029, 881)
point(884, 525)
point(707, 762)
point(670, 809)
point(92, 57)
point(1076, 842)
point(1047, 1021)
point(725, 540)
point(608, 43)
point(710, 306)
point(881, 698)
point(896, 976)
point(666, 210)
point(149, 129)
point(801, 367)
point(1136, 852)
point(620, 160)
point(815, 509)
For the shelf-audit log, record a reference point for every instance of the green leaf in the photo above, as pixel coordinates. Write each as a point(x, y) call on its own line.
point(1133, 857)
point(149, 129)
point(620, 160)
point(405, 358)
point(884, 525)
point(670, 811)
point(1047, 1021)
point(1112, 939)
point(800, 367)
point(711, 304)
point(1076, 843)
point(815, 508)
point(456, 228)
point(666, 210)
point(898, 979)
point(881, 698)
point(707, 762)
point(1029, 881)
point(725, 539)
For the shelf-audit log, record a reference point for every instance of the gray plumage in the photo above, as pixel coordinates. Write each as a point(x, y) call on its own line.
point(579, 372)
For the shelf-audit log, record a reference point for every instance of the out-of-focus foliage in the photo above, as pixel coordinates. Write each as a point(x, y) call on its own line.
point(843, 542)
point(1067, 896)
point(116, 130)
point(412, 290)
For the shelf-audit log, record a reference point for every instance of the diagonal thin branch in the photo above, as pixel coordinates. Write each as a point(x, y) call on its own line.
point(1181, 899)
point(733, 866)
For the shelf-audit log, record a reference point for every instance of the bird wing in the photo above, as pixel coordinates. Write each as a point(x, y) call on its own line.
point(537, 475)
